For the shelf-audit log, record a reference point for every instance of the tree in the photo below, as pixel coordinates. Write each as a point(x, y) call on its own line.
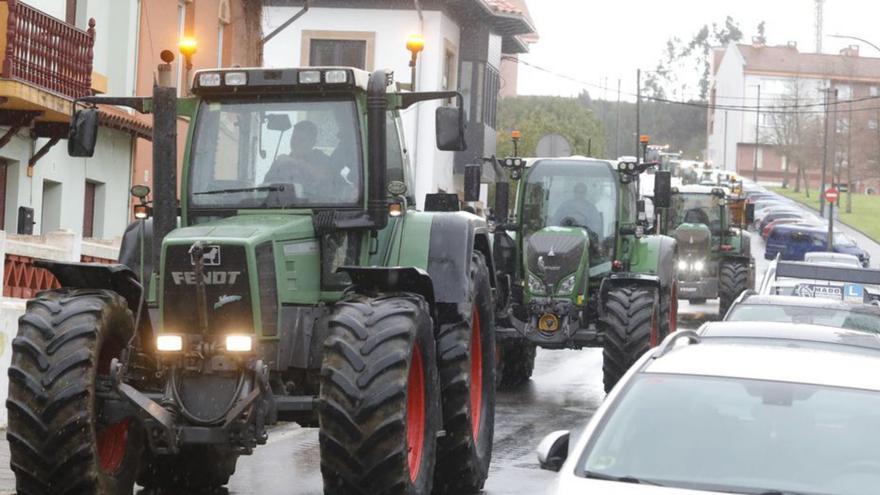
point(674, 74)
point(795, 133)
point(537, 116)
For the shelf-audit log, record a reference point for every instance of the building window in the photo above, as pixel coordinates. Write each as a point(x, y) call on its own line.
point(844, 92)
point(89, 210)
point(338, 48)
point(50, 212)
point(872, 124)
point(490, 106)
point(842, 125)
point(873, 91)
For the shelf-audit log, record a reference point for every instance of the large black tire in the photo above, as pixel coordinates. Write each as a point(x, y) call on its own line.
point(378, 385)
point(517, 362)
point(734, 280)
point(201, 469)
point(630, 326)
point(466, 360)
point(58, 443)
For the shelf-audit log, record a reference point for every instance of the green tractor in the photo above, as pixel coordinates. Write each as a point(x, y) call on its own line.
point(582, 269)
point(300, 285)
point(715, 259)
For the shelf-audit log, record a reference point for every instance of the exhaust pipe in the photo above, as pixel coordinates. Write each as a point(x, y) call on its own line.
point(377, 108)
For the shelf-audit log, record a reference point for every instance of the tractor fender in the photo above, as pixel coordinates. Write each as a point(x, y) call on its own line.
point(454, 237)
point(370, 280)
point(116, 277)
point(655, 255)
point(130, 250)
point(629, 279)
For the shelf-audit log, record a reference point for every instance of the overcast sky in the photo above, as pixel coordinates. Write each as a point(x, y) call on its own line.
point(602, 40)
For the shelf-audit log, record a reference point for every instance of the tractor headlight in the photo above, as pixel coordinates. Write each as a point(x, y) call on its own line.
point(235, 78)
point(209, 79)
point(682, 265)
point(239, 343)
point(169, 343)
point(699, 265)
point(309, 77)
point(536, 285)
point(566, 286)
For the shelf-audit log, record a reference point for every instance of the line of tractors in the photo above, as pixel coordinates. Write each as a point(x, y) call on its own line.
point(294, 280)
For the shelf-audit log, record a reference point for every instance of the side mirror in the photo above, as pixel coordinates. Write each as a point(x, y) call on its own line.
point(750, 213)
point(662, 189)
point(83, 133)
point(472, 176)
point(553, 450)
point(450, 129)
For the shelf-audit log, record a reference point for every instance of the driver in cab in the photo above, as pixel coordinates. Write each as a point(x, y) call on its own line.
point(578, 210)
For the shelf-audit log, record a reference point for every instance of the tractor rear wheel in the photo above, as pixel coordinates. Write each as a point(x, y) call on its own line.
point(630, 327)
point(200, 469)
point(379, 400)
point(466, 362)
point(734, 280)
point(517, 362)
point(59, 443)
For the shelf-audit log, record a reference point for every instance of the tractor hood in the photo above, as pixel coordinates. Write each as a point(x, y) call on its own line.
point(248, 227)
point(694, 240)
point(554, 253)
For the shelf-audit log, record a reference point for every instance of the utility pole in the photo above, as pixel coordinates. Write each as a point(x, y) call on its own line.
point(617, 132)
point(757, 136)
point(725, 140)
point(638, 110)
point(828, 92)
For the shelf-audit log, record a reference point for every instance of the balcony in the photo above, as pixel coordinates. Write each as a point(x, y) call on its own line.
point(45, 64)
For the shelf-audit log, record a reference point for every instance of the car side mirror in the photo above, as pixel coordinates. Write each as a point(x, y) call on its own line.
point(662, 189)
point(553, 450)
point(750, 213)
point(450, 129)
point(83, 133)
point(472, 175)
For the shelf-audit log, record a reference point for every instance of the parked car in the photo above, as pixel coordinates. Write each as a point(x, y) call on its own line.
point(793, 241)
point(793, 309)
point(765, 232)
point(777, 214)
point(792, 413)
point(820, 280)
point(833, 258)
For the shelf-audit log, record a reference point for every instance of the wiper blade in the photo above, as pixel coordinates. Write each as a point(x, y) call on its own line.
point(271, 188)
point(622, 479)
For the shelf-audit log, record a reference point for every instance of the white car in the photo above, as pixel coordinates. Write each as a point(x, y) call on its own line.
point(820, 278)
point(793, 410)
point(839, 259)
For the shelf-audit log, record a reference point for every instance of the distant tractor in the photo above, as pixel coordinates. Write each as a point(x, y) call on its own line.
point(301, 285)
point(715, 259)
point(582, 269)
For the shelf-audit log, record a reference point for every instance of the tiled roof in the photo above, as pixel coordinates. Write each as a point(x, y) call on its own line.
point(788, 60)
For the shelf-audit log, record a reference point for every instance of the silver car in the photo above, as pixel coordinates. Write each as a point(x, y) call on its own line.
point(790, 411)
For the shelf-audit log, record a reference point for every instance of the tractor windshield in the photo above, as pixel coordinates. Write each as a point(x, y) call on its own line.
point(696, 208)
point(275, 153)
point(571, 194)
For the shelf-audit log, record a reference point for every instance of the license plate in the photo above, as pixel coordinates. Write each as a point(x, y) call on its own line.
point(687, 289)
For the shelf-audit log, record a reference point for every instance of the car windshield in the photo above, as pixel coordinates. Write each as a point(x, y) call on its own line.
point(276, 153)
point(695, 208)
point(851, 319)
point(740, 436)
point(571, 193)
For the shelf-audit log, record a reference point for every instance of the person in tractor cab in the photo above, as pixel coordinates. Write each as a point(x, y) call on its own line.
point(308, 166)
point(696, 215)
point(579, 211)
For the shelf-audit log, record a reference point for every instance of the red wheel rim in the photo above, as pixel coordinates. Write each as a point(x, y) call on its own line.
point(112, 443)
point(673, 307)
point(415, 414)
point(476, 374)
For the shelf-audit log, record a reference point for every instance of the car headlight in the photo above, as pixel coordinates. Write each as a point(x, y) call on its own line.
point(566, 286)
point(699, 265)
point(536, 286)
point(239, 343)
point(169, 343)
point(682, 265)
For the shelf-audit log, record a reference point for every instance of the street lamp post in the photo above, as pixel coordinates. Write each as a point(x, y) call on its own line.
point(844, 36)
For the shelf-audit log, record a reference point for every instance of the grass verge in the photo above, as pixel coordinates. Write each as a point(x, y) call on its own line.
point(865, 214)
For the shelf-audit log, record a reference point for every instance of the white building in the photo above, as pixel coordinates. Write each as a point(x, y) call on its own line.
point(464, 43)
point(86, 196)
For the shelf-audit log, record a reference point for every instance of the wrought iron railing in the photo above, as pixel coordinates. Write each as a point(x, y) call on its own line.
point(47, 52)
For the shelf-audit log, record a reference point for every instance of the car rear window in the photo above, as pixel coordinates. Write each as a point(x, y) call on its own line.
point(830, 317)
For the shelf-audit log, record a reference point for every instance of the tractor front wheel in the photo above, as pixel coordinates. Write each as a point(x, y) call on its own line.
point(630, 326)
point(734, 280)
point(516, 363)
point(466, 361)
point(379, 400)
point(59, 442)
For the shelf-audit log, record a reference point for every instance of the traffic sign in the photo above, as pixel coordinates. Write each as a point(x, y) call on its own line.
point(831, 194)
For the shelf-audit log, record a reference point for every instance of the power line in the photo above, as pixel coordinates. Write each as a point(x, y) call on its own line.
point(785, 108)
